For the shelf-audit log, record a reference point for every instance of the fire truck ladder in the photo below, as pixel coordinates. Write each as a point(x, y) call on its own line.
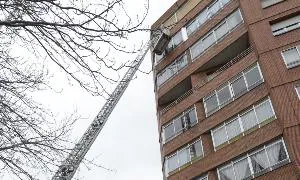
point(69, 166)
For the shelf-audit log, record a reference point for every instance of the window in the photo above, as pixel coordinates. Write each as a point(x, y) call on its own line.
point(201, 178)
point(298, 90)
point(171, 70)
point(286, 25)
point(183, 156)
point(233, 89)
point(267, 3)
point(266, 158)
point(257, 116)
point(291, 57)
point(175, 41)
point(179, 124)
point(205, 15)
point(212, 37)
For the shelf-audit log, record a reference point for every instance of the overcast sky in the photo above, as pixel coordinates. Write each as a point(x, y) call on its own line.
point(128, 144)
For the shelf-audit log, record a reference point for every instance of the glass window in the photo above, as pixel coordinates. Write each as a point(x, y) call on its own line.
point(239, 86)
point(259, 161)
point(264, 111)
point(191, 118)
point(234, 19)
point(223, 2)
point(221, 31)
point(178, 125)
point(267, 3)
point(182, 62)
point(250, 165)
point(213, 9)
point(219, 136)
point(253, 77)
point(276, 153)
point(211, 103)
point(198, 148)
point(169, 131)
point(291, 57)
point(183, 156)
point(286, 25)
point(172, 163)
point(242, 169)
point(233, 129)
point(196, 50)
point(227, 173)
point(224, 95)
point(192, 27)
point(208, 41)
point(248, 120)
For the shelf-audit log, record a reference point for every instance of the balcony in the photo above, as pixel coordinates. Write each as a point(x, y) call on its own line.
point(224, 60)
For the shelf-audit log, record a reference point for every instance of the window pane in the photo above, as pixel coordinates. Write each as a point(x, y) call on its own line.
point(169, 131)
point(234, 19)
point(239, 86)
point(224, 95)
point(178, 125)
point(233, 129)
point(264, 111)
point(259, 161)
point(221, 30)
point(248, 120)
point(196, 49)
point(211, 104)
point(196, 150)
point(213, 9)
point(177, 39)
point(182, 62)
point(201, 18)
point(172, 163)
point(208, 41)
point(253, 77)
point(276, 153)
point(291, 57)
point(183, 156)
point(242, 169)
point(266, 3)
point(191, 118)
point(227, 173)
point(192, 27)
point(219, 136)
point(223, 2)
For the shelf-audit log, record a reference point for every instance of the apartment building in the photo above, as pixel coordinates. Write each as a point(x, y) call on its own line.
point(227, 86)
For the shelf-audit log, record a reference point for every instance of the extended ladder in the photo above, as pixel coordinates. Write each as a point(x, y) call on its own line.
point(69, 166)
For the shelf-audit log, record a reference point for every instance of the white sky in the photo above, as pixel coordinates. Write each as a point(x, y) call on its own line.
point(128, 144)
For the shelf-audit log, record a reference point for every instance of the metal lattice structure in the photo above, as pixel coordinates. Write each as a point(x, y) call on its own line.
point(69, 166)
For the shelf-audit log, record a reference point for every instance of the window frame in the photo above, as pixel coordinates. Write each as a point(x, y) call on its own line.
point(248, 156)
point(212, 31)
point(229, 82)
point(284, 58)
point(285, 29)
point(272, 4)
point(237, 117)
point(184, 128)
point(187, 146)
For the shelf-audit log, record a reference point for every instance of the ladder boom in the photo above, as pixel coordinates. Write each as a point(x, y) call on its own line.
point(69, 166)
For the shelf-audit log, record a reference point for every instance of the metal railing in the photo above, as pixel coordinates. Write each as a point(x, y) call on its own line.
point(203, 82)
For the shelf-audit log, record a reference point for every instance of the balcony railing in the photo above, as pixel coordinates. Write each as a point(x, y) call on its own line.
point(203, 82)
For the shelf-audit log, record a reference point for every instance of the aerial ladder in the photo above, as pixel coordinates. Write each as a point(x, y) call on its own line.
point(159, 40)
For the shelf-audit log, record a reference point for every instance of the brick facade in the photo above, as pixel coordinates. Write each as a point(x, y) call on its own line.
point(279, 85)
